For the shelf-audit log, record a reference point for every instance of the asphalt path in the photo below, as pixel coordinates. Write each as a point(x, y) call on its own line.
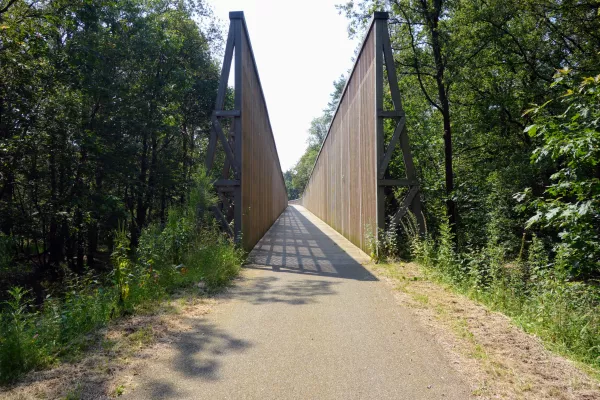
point(306, 320)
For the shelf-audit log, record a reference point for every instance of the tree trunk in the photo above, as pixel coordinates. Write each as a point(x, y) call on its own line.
point(432, 19)
point(141, 207)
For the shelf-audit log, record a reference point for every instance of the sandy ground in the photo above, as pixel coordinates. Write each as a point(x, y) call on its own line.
point(310, 317)
point(499, 359)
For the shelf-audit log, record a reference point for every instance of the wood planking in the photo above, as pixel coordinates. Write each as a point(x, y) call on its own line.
point(264, 195)
point(342, 189)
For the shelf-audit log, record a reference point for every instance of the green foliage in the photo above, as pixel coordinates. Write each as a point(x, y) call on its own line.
point(6, 252)
point(303, 168)
point(570, 204)
point(446, 258)
point(101, 105)
point(292, 191)
point(188, 250)
point(121, 264)
point(534, 293)
point(18, 346)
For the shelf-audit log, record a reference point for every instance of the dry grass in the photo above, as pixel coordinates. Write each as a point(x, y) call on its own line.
point(115, 356)
point(497, 358)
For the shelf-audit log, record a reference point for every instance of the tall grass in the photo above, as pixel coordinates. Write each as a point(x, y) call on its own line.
point(189, 249)
point(534, 290)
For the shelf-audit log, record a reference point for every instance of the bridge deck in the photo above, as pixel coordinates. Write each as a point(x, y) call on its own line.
point(307, 321)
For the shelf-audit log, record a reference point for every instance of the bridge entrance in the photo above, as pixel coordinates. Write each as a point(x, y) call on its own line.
point(351, 185)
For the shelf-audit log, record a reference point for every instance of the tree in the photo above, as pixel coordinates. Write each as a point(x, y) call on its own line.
point(570, 205)
point(103, 106)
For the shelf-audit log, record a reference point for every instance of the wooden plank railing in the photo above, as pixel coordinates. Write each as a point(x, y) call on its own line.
point(350, 184)
point(251, 189)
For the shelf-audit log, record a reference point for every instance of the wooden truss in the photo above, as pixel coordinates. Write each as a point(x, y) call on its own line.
point(228, 210)
point(385, 183)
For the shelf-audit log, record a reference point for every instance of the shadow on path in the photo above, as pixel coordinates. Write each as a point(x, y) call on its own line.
point(198, 356)
point(295, 244)
point(270, 289)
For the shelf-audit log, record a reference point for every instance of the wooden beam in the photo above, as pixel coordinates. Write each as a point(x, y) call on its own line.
point(226, 204)
point(397, 182)
point(239, 32)
point(390, 148)
point(226, 182)
point(406, 203)
point(226, 147)
point(380, 26)
point(222, 220)
point(225, 70)
point(210, 151)
point(415, 202)
point(390, 114)
point(390, 66)
point(225, 172)
point(227, 113)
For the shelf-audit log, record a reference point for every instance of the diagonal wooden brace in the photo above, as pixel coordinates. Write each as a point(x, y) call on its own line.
point(406, 203)
point(385, 161)
point(226, 146)
point(222, 220)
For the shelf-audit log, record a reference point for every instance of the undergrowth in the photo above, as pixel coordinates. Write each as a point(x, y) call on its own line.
point(535, 290)
point(188, 250)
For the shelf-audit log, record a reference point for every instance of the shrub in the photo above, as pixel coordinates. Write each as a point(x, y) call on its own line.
point(535, 291)
point(187, 250)
point(17, 338)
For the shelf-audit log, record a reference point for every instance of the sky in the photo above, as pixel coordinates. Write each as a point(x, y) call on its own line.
point(300, 48)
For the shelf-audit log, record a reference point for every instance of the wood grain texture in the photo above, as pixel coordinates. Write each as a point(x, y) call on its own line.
point(264, 196)
point(342, 189)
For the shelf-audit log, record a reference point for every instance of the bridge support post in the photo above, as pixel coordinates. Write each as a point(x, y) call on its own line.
point(251, 195)
point(228, 210)
point(411, 201)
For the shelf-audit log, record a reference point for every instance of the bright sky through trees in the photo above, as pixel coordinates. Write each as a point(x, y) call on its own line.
point(300, 49)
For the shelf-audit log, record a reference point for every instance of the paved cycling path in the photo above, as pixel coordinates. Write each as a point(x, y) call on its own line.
point(306, 321)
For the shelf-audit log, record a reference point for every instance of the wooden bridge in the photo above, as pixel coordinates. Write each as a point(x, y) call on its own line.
point(307, 319)
point(351, 186)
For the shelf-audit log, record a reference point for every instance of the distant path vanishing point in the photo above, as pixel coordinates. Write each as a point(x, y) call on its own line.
point(305, 321)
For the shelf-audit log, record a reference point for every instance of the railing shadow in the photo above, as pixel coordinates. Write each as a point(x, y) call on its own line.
point(270, 289)
point(296, 245)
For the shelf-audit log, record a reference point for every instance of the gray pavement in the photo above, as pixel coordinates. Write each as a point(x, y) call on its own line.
point(306, 321)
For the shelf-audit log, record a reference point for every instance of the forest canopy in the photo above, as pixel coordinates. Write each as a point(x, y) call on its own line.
point(103, 110)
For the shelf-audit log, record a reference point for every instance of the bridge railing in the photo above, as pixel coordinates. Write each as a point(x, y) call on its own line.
point(251, 189)
point(350, 187)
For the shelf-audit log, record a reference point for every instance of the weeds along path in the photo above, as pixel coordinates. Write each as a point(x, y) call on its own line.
point(310, 317)
point(305, 320)
point(500, 360)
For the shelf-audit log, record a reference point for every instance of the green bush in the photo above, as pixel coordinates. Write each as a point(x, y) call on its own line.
point(536, 292)
point(570, 205)
point(189, 249)
point(17, 338)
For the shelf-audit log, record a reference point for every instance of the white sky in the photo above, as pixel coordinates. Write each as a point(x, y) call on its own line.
point(300, 47)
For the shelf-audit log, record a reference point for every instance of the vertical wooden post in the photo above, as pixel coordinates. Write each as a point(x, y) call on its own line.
point(380, 22)
point(380, 29)
point(412, 201)
point(237, 19)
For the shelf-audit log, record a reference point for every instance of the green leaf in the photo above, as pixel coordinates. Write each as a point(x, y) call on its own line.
point(531, 130)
